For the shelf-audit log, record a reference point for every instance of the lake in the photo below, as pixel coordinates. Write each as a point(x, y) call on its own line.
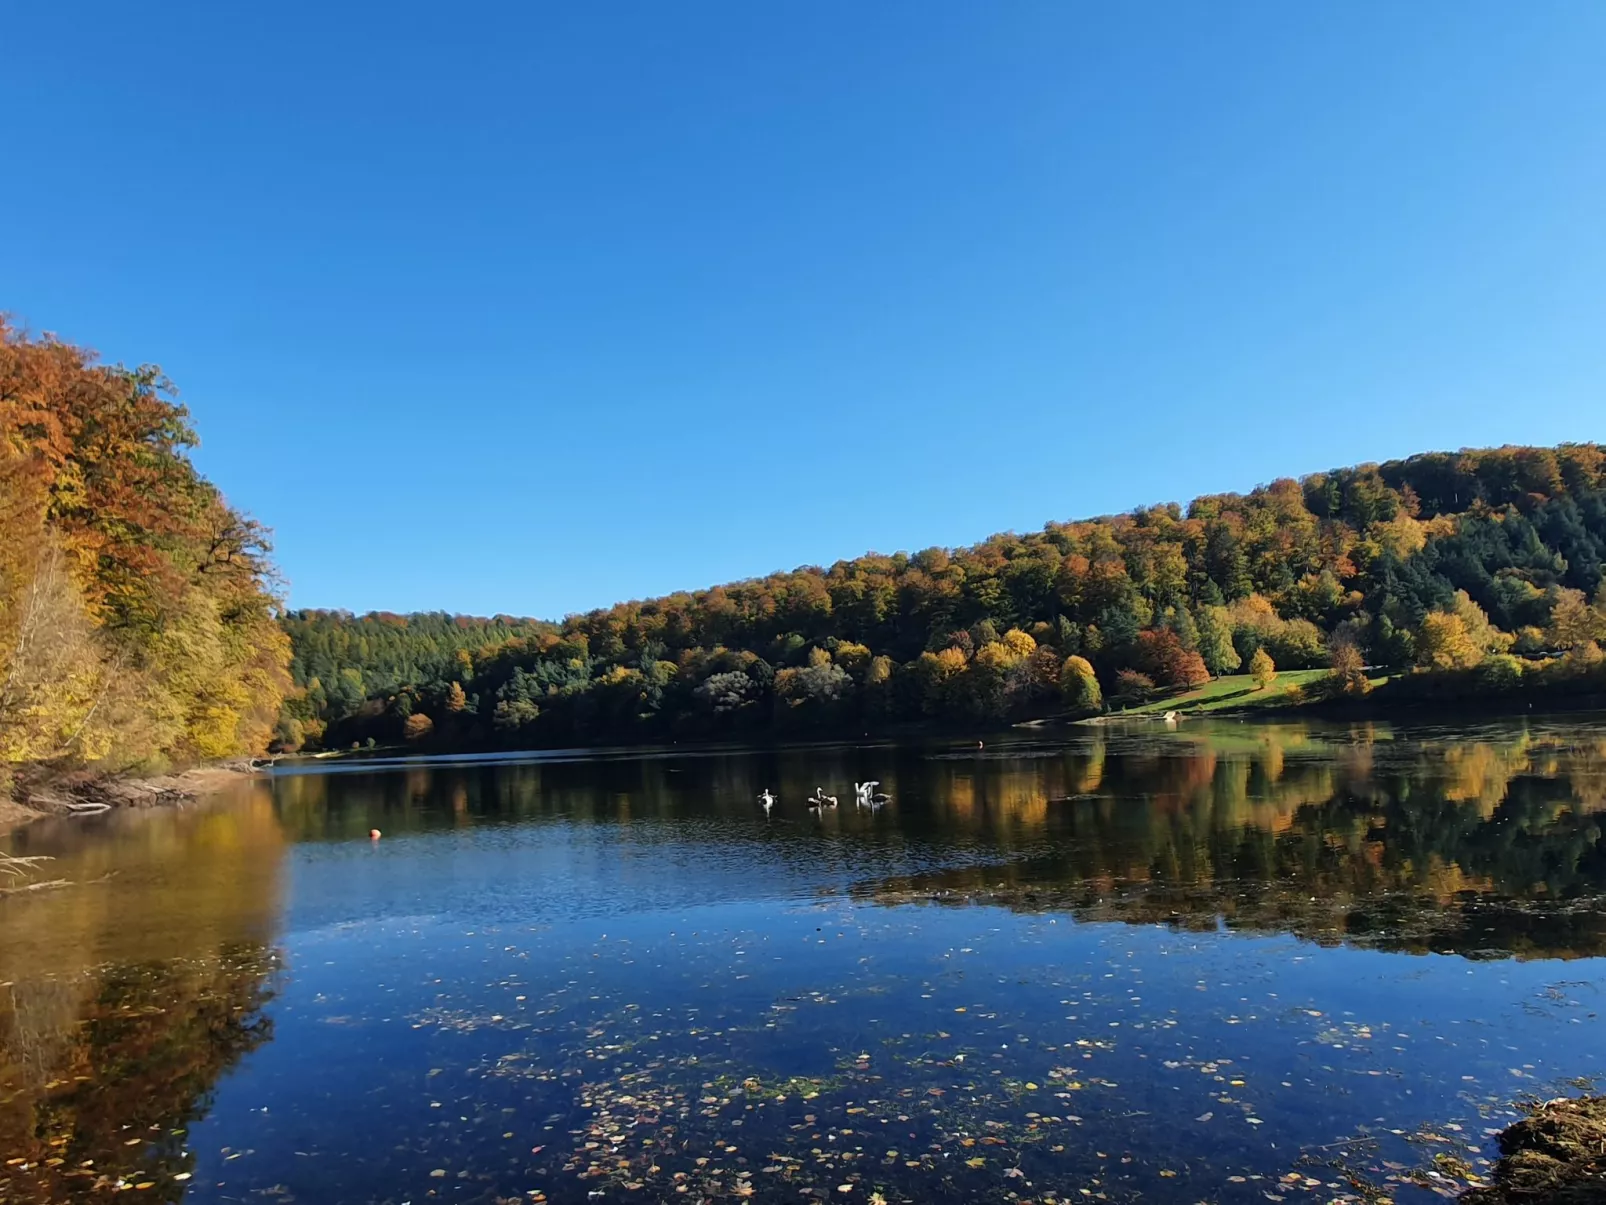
point(1221, 962)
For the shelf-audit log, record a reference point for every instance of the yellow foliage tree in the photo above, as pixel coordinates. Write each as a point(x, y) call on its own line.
point(1443, 642)
point(1483, 634)
point(1263, 669)
point(1079, 685)
point(1020, 644)
point(52, 677)
point(1573, 622)
point(994, 656)
point(851, 656)
point(137, 609)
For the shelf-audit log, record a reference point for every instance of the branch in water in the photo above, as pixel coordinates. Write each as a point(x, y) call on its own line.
point(15, 868)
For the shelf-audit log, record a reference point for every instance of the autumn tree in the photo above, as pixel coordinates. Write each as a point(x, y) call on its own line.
point(1349, 669)
point(1263, 669)
point(138, 611)
point(1215, 640)
point(1167, 662)
point(1573, 622)
point(1485, 637)
point(1079, 686)
point(1131, 686)
point(53, 678)
point(1443, 642)
point(1020, 644)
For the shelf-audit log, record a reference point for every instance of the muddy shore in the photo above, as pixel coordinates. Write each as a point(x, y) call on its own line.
point(61, 796)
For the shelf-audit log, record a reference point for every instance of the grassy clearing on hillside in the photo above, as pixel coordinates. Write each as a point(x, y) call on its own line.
point(1231, 691)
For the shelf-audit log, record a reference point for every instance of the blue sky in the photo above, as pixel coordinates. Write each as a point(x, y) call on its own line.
point(534, 307)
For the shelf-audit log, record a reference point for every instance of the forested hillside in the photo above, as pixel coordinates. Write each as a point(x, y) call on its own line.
point(1481, 569)
point(137, 615)
point(340, 659)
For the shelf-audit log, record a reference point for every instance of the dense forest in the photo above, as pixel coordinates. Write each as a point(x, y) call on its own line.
point(342, 660)
point(1476, 571)
point(138, 619)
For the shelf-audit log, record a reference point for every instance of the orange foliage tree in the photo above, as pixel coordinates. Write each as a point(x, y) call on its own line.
point(138, 614)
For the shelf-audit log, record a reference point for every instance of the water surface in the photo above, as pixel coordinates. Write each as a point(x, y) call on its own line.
point(1223, 962)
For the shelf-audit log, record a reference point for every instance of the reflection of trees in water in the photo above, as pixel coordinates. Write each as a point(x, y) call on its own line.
point(1436, 845)
point(124, 1000)
point(1241, 821)
point(100, 1086)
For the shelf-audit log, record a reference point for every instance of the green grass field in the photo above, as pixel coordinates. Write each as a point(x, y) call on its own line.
point(1231, 691)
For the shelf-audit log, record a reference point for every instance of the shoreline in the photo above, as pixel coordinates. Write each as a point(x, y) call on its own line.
point(92, 793)
point(1554, 1154)
point(1366, 709)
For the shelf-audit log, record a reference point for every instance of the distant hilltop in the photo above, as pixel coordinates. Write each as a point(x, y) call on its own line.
point(1480, 568)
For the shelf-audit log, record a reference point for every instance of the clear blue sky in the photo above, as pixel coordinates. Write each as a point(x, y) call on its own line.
point(532, 307)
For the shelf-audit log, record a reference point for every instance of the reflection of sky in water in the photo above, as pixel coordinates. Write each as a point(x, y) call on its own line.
point(563, 979)
point(1206, 1056)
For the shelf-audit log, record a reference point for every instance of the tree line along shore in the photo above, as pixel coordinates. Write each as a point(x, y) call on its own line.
point(1473, 576)
point(143, 624)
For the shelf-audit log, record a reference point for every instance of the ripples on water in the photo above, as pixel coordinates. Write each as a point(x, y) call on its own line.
point(1223, 963)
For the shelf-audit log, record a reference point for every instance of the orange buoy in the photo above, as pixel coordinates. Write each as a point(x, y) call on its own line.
point(373, 834)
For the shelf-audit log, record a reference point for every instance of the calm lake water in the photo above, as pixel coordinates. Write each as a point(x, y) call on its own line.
point(1223, 962)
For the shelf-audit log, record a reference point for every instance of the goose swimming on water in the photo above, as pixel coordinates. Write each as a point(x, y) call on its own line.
point(767, 799)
